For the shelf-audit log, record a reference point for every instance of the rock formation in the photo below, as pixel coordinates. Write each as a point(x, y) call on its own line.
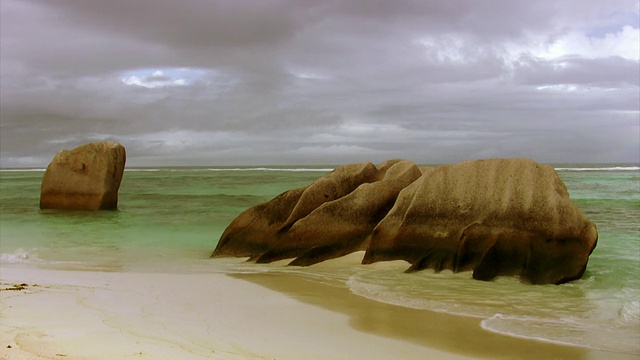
point(85, 178)
point(493, 217)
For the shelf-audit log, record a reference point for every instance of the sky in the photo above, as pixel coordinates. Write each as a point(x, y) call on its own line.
point(284, 82)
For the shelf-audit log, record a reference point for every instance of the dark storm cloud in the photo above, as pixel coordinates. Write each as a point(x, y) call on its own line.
point(256, 82)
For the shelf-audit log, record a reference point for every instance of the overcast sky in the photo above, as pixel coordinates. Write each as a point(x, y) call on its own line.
point(258, 82)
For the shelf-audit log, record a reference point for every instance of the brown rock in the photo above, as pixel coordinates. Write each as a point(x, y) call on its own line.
point(493, 217)
point(85, 178)
point(342, 226)
point(253, 231)
point(257, 229)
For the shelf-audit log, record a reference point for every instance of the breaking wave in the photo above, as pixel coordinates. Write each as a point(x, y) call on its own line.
point(554, 314)
point(263, 169)
point(613, 168)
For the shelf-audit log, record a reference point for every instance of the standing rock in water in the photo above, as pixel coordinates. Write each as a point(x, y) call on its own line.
point(342, 226)
point(494, 217)
point(85, 178)
point(256, 231)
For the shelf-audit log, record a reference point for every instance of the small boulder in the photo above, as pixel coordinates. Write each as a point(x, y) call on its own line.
point(85, 178)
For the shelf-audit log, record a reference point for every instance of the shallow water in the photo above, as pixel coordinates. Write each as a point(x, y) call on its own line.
point(169, 220)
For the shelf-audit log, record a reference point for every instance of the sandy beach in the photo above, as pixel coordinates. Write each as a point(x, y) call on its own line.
point(64, 314)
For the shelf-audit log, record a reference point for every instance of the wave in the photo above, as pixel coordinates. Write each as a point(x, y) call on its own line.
point(302, 169)
point(383, 294)
point(24, 170)
point(612, 168)
point(570, 331)
point(629, 313)
point(21, 256)
point(264, 169)
point(608, 324)
point(187, 169)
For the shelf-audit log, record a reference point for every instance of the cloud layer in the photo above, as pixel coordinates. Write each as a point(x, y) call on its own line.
point(326, 82)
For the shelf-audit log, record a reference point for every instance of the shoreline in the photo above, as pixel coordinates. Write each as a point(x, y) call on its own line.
point(124, 315)
point(113, 315)
point(445, 332)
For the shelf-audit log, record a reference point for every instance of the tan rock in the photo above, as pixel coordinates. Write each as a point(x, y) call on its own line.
point(85, 178)
point(257, 229)
point(253, 231)
point(342, 226)
point(493, 217)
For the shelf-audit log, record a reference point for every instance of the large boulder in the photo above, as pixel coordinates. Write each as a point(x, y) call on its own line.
point(493, 217)
point(85, 178)
point(342, 226)
point(258, 229)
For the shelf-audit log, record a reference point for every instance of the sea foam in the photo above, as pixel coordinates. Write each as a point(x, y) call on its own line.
point(514, 309)
point(613, 168)
point(571, 331)
point(19, 256)
point(30, 257)
point(239, 169)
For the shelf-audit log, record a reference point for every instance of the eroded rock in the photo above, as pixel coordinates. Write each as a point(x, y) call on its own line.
point(258, 229)
point(85, 178)
point(493, 217)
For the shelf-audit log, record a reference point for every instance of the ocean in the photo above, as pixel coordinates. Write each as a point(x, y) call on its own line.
point(170, 219)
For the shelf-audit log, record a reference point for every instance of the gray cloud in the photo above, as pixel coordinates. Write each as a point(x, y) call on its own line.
point(611, 72)
point(284, 82)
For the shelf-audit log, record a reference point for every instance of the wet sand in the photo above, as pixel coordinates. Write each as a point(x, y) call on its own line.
point(436, 331)
point(61, 314)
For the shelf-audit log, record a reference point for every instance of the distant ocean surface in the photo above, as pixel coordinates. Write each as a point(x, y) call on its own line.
point(170, 219)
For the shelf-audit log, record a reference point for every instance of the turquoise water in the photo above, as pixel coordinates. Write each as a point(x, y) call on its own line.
point(169, 220)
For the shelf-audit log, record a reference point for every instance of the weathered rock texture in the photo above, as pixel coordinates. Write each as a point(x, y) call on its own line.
point(85, 178)
point(493, 217)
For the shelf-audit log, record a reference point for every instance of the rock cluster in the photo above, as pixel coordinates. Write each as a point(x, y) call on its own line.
point(85, 178)
point(493, 217)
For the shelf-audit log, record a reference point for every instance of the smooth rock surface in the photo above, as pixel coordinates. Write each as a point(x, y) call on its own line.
point(257, 229)
point(85, 178)
point(493, 217)
point(342, 226)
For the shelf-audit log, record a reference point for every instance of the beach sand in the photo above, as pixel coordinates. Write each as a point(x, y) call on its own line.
point(64, 314)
